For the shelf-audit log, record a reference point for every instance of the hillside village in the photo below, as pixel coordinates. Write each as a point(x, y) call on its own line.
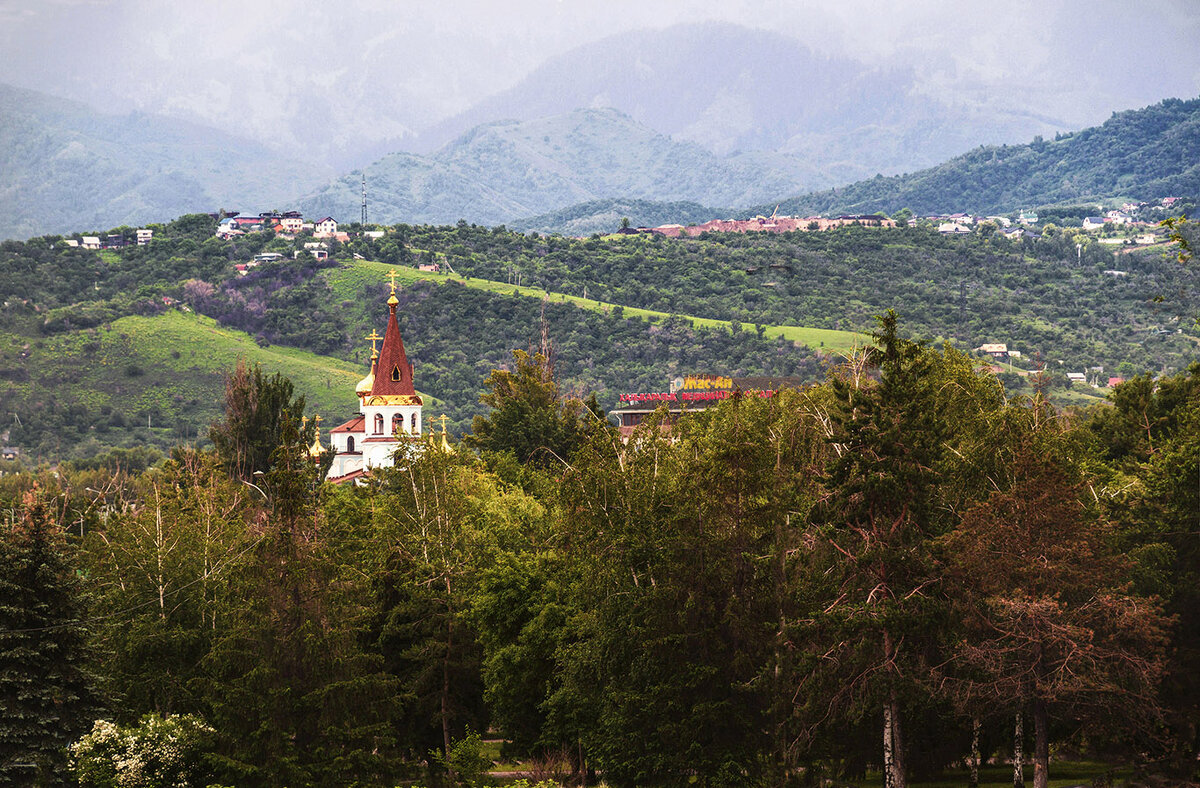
point(1116, 226)
point(1132, 224)
point(279, 237)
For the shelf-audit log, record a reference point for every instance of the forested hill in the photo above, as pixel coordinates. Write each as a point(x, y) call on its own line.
point(1143, 154)
point(1065, 297)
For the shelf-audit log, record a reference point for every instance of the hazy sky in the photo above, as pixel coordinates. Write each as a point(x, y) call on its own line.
point(402, 65)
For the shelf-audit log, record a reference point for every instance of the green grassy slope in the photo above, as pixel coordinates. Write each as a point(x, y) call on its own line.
point(167, 370)
point(346, 282)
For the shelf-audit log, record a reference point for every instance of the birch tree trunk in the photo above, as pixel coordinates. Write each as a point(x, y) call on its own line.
point(1019, 752)
point(887, 746)
point(894, 745)
point(975, 753)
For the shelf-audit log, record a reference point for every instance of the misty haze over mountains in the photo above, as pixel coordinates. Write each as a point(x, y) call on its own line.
point(723, 114)
point(732, 89)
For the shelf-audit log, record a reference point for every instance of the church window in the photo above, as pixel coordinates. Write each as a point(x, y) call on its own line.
point(396, 373)
point(378, 423)
point(350, 443)
point(414, 424)
point(397, 423)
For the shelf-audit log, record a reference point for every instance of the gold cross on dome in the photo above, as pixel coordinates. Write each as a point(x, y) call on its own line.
point(303, 422)
point(317, 421)
point(392, 275)
point(442, 420)
point(374, 337)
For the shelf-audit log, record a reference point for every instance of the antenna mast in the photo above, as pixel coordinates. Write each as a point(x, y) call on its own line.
point(364, 200)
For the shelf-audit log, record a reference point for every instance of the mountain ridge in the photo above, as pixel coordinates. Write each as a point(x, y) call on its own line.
point(1143, 154)
point(67, 165)
point(502, 170)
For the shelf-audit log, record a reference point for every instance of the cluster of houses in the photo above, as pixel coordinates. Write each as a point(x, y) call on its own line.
point(1094, 376)
point(1123, 217)
point(142, 236)
point(947, 224)
point(762, 224)
point(287, 224)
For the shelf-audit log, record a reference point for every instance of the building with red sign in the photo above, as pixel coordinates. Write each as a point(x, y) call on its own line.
point(690, 394)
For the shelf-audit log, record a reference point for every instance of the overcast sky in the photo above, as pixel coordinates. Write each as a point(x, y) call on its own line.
point(254, 63)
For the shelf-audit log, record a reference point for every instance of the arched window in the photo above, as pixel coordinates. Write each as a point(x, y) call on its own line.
point(414, 424)
point(397, 423)
point(350, 444)
point(378, 423)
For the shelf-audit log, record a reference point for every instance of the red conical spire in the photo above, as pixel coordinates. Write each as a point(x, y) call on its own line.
point(393, 373)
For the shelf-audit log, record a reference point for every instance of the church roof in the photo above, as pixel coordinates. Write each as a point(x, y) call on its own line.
point(393, 373)
point(349, 477)
point(355, 424)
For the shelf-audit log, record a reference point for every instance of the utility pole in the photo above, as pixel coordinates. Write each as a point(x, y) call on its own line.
point(364, 200)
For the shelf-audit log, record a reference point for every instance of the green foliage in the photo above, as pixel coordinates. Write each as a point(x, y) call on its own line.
point(257, 408)
point(465, 762)
point(675, 548)
point(295, 696)
point(163, 574)
point(45, 685)
point(1147, 153)
point(529, 418)
point(61, 409)
point(724, 605)
point(432, 534)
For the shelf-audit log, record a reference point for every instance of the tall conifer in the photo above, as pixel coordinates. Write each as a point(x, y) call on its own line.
point(46, 699)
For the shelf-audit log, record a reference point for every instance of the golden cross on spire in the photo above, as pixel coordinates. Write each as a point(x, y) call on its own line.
point(303, 422)
point(392, 275)
point(442, 420)
point(374, 337)
point(317, 421)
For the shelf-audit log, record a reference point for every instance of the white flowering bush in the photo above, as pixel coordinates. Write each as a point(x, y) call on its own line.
point(159, 752)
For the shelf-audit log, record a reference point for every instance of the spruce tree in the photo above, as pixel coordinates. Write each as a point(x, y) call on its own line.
point(45, 691)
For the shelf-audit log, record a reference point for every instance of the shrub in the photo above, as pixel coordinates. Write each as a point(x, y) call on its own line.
point(159, 752)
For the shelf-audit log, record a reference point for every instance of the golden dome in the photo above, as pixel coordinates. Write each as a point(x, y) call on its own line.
point(316, 449)
point(364, 386)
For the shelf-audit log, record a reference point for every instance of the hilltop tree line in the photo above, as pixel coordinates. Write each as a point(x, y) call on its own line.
point(895, 572)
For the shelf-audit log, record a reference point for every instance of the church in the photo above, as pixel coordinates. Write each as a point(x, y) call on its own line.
point(389, 408)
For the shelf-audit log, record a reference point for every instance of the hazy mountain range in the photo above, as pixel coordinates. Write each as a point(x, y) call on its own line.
point(1141, 154)
point(505, 170)
point(716, 115)
point(66, 167)
point(731, 89)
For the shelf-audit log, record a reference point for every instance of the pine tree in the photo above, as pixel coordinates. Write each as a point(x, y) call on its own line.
point(294, 696)
point(1050, 622)
point(46, 696)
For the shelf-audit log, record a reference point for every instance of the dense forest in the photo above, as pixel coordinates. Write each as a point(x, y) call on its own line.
point(898, 571)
